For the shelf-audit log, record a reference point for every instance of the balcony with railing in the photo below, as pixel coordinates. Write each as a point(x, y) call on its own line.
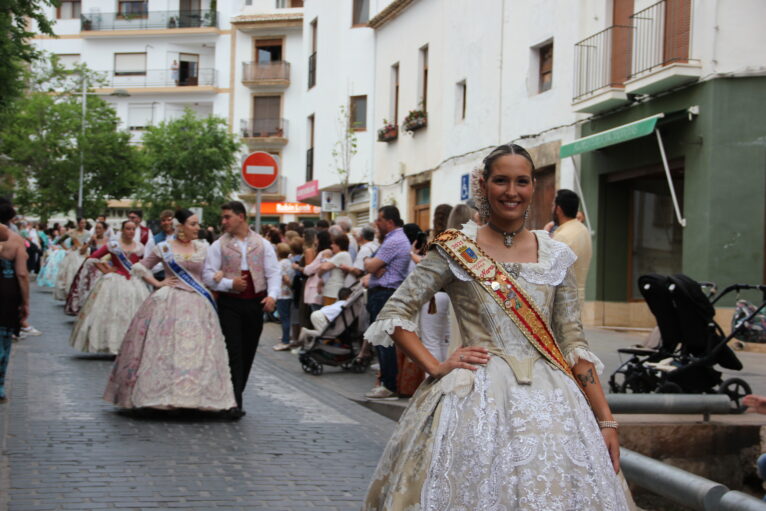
point(266, 74)
point(601, 64)
point(261, 132)
point(148, 20)
point(312, 69)
point(661, 38)
point(204, 77)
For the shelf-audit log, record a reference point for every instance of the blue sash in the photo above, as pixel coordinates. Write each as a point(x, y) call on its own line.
point(182, 274)
point(116, 250)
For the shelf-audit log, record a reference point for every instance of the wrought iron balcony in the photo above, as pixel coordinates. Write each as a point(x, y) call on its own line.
point(268, 73)
point(661, 36)
point(264, 129)
point(147, 20)
point(162, 78)
point(602, 61)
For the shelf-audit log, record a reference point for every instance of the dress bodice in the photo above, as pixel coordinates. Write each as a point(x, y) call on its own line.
point(550, 282)
point(192, 263)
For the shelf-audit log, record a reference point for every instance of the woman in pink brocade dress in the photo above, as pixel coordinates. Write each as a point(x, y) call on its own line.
point(174, 355)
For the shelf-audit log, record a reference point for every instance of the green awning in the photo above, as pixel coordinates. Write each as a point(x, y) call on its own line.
point(623, 133)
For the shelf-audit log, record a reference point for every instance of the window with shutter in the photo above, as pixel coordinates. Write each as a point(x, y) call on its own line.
point(546, 67)
point(126, 64)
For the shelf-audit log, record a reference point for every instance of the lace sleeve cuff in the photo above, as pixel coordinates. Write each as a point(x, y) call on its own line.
point(379, 333)
point(140, 271)
point(578, 353)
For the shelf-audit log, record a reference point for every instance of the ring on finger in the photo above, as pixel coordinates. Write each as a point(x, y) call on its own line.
point(461, 358)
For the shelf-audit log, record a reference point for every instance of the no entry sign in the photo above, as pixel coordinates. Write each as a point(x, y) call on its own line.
point(260, 170)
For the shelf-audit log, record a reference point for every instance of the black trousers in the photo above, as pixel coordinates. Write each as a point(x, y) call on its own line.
point(241, 323)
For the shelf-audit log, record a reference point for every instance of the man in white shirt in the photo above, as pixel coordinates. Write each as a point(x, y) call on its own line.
point(243, 268)
point(324, 316)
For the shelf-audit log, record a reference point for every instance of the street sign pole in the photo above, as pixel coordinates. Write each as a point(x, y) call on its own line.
point(258, 211)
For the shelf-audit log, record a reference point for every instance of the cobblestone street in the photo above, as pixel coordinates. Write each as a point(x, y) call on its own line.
point(301, 446)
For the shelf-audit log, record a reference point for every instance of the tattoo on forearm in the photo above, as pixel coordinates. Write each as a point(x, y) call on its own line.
point(586, 378)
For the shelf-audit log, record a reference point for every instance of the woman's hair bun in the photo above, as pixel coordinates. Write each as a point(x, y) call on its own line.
point(182, 215)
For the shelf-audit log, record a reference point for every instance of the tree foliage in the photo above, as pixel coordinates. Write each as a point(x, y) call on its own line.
point(344, 150)
point(43, 135)
point(15, 49)
point(191, 162)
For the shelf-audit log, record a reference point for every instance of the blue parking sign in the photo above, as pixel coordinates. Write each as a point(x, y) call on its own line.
point(465, 188)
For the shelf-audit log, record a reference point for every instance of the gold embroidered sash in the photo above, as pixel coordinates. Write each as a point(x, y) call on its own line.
point(516, 303)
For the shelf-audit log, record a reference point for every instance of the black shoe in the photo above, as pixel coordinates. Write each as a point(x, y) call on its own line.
point(234, 414)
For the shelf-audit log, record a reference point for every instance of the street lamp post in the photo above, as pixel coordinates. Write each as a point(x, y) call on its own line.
point(122, 93)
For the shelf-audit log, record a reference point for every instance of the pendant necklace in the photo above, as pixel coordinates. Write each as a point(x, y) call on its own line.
point(507, 236)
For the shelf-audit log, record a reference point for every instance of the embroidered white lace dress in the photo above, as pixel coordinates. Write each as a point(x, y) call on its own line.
point(517, 434)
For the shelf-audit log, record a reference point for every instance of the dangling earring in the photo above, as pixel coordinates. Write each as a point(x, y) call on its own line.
point(181, 235)
point(484, 208)
point(526, 215)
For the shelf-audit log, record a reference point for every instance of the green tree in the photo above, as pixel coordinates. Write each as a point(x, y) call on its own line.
point(43, 135)
point(191, 162)
point(344, 150)
point(15, 50)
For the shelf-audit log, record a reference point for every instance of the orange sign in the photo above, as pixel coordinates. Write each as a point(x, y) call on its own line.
point(289, 208)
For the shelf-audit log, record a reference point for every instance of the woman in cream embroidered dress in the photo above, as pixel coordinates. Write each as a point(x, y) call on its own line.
point(496, 426)
point(74, 258)
point(113, 301)
point(174, 354)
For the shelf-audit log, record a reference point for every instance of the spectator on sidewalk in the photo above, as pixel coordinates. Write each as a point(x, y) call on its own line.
point(368, 245)
point(333, 268)
point(14, 288)
point(344, 223)
point(323, 317)
point(757, 404)
point(388, 268)
point(574, 234)
point(285, 297)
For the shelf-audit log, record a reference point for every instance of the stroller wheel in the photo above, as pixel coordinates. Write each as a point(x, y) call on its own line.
point(317, 368)
point(670, 388)
point(736, 389)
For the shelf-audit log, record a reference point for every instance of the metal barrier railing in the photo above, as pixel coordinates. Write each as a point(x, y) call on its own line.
point(661, 35)
point(278, 70)
point(704, 404)
point(163, 78)
point(683, 487)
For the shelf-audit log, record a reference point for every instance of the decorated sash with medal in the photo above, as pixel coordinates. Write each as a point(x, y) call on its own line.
point(516, 303)
point(183, 275)
point(116, 250)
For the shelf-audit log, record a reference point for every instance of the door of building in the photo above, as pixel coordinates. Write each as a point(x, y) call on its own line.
point(188, 69)
point(542, 200)
point(421, 205)
point(190, 13)
point(654, 236)
point(266, 116)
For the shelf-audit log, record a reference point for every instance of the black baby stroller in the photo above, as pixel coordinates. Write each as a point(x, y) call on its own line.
point(692, 343)
point(340, 343)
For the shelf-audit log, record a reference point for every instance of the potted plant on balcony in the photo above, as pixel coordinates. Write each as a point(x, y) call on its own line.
point(172, 22)
point(87, 24)
point(415, 120)
point(388, 132)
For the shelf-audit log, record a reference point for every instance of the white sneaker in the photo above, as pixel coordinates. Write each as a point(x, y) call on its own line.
point(382, 393)
point(31, 331)
point(375, 366)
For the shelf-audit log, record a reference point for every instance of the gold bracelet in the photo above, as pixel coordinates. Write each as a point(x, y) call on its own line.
point(608, 424)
